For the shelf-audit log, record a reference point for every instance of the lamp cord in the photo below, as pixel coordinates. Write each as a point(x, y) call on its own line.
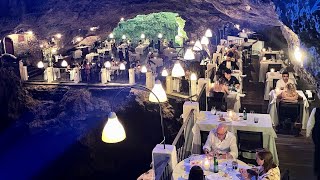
point(160, 109)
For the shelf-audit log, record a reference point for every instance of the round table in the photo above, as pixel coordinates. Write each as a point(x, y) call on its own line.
point(182, 169)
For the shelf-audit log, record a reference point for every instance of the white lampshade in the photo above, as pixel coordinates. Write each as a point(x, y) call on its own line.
point(113, 131)
point(204, 40)
point(111, 36)
point(193, 77)
point(160, 35)
point(124, 37)
point(164, 73)
point(264, 58)
point(144, 69)
point(107, 64)
point(143, 36)
point(197, 46)
point(177, 70)
point(208, 33)
point(159, 92)
point(297, 54)
point(122, 66)
point(189, 55)
point(40, 64)
point(64, 63)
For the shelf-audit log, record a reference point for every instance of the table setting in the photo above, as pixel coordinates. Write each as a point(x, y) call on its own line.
point(207, 120)
point(227, 168)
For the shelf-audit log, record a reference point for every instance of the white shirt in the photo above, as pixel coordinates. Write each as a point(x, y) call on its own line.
point(311, 122)
point(282, 84)
point(228, 64)
point(229, 144)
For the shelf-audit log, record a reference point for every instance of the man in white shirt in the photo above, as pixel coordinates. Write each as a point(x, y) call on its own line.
point(246, 44)
point(221, 141)
point(282, 83)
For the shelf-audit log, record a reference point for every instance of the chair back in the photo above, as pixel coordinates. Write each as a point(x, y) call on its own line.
point(217, 100)
point(276, 67)
point(274, 83)
point(285, 175)
point(289, 110)
point(249, 141)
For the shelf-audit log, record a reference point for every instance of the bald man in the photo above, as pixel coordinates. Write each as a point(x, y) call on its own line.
point(221, 141)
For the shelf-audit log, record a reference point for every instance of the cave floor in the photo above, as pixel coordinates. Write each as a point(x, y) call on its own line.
point(295, 153)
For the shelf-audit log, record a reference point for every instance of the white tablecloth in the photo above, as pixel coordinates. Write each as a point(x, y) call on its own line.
point(264, 68)
point(182, 169)
point(139, 49)
point(207, 121)
point(275, 53)
point(269, 82)
point(272, 109)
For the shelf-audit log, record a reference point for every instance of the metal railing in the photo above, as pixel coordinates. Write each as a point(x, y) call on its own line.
point(164, 169)
point(184, 138)
point(202, 98)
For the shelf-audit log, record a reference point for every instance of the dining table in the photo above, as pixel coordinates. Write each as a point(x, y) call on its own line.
point(226, 169)
point(273, 111)
point(206, 121)
point(264, 68)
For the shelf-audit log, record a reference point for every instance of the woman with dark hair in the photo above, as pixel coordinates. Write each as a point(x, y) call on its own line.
point(314, 128)
point(196, 173)
point(267, 169)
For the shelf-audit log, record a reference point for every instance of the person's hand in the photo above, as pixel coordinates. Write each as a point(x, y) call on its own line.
point(206, 151)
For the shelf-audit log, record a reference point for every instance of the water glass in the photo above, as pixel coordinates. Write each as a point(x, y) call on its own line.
point(234, 165)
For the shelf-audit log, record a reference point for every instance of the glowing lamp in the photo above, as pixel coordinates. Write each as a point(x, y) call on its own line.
point(263, 49)
point(272, 70)
point(297, 54)
point(264, 58)
point(237, 26)
point(159, 92)
point(124, 37)
point(164, 73)
point(144, 69)
point(204, 40)
point(122, 66)
point(113, 131)
point(143, 36)
point(177, 70)
point(40, 64)
point(107, 64)
point(30, 32)
point(64, 63)
point(189, 55)
point(160, 35)
point(54, 50)
point(122, 19)
point(111, 36)
point(208, 33)
point(58, 36)
point(197, 46)
point(193, 77)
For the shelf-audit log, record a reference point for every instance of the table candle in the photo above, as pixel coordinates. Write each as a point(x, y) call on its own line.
point(206, 164)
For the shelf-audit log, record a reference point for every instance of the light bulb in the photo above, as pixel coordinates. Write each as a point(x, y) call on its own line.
point(144, 69)
point(164, 73)
point(113, 131)
point(122, 66)
point(159, 92)
point(204, 40)
point(189, 55)
point(64, 63)
point(40, 64)
point(107, 64)
point(208, 33)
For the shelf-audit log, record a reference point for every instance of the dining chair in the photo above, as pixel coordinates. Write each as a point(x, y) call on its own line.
point(248, 142)
point(276, 67)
